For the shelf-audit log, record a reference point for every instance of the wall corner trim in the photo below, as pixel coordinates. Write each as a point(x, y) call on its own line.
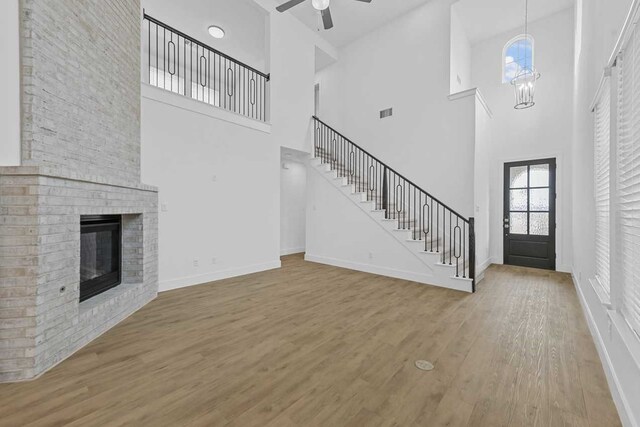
point(472, 92)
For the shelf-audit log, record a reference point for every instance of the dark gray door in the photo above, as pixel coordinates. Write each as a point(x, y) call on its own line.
point(530, 213)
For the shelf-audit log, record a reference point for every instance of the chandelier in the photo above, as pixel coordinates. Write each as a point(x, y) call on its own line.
point(524, 83)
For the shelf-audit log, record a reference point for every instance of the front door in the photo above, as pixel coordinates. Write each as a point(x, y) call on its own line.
point(530, 213)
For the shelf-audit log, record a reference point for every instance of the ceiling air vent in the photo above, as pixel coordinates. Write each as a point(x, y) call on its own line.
point(386, 113)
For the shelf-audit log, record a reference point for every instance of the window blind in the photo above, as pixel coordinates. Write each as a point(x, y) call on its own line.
point(602, 155)
point(628, 180)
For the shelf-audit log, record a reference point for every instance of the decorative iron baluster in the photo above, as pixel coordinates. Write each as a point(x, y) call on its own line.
point(457, 245)
point(450, 223)
point(372, 178)
point(425, 224)
point(398, 201)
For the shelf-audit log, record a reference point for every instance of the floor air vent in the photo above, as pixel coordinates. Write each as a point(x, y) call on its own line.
point(423, 365)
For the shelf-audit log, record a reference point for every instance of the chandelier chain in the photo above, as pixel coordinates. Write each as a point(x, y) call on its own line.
point(526, 17)
point(526, 29)
point(524, 82)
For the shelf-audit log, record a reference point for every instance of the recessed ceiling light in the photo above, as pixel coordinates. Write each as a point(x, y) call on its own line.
point(216, 32)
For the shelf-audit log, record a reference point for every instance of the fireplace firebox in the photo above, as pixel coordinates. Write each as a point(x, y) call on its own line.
point(100, 252)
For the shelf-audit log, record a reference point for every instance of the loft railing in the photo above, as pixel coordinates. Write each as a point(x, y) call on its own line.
point(443, 230)
point(181, 64)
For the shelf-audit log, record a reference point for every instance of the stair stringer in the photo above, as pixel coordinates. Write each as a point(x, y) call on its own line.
point(433, 272)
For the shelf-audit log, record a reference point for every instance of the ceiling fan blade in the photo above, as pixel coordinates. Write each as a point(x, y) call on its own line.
point(288, 5)
point(365, 1)
point(326, 19)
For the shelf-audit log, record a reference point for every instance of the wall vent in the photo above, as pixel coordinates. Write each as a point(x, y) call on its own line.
point(386, 113)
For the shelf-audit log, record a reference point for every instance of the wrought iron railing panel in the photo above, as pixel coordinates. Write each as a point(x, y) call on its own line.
point(443, 230)
point(181, 64)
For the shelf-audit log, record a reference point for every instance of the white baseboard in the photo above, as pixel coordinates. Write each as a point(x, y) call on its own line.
point(561, 268)
point(481, 268)
point(484, 265)
point(617, 393)
point(385, 271)
point(292, 251)
point(200, 279)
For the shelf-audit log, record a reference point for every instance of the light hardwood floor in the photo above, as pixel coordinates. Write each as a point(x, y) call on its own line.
point(312, 345)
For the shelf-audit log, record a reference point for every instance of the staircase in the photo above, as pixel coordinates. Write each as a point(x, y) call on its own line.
point(438, 235)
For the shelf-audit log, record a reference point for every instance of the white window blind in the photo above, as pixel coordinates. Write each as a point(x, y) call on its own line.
point(602, 155)
point(628, 180)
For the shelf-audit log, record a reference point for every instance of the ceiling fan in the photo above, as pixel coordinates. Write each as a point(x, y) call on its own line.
point(321, 5)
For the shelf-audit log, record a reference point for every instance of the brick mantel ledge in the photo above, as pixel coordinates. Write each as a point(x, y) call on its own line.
point(56, 172)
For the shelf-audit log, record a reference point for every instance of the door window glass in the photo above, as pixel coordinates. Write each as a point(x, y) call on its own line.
point(518, 200)
point(519, 222)
point(519, 177)
point(539, 223)
point(529, 200)
point(539, 175)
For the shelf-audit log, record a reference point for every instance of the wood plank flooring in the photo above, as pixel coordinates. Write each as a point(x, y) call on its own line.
point(313, 345)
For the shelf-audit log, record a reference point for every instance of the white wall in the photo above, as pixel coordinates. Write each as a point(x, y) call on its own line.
point(430, 139)
point(460, 75)
point(293, 202)
point(10, 84)
point(340, 233)
point(292, 53)
point(482, 184)
point(539, 132)
point(219, 191)
point(598, 23)
point(219, 173)
point(405, 65)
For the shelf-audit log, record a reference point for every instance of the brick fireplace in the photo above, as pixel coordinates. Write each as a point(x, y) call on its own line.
point(80, 126)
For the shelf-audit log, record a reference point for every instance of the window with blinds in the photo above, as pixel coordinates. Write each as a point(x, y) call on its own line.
point(628, 180)
point(602, 154)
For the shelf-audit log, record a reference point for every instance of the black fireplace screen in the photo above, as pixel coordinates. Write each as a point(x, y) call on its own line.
point(100, 242)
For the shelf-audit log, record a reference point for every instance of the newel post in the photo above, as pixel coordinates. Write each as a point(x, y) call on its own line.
point(385, 201)
point(472, 253)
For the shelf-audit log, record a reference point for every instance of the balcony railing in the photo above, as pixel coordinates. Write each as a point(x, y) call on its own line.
point(181, 64)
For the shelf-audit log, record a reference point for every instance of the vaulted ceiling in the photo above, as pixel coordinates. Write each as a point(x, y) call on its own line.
point(483, 19)
point(353, 19)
